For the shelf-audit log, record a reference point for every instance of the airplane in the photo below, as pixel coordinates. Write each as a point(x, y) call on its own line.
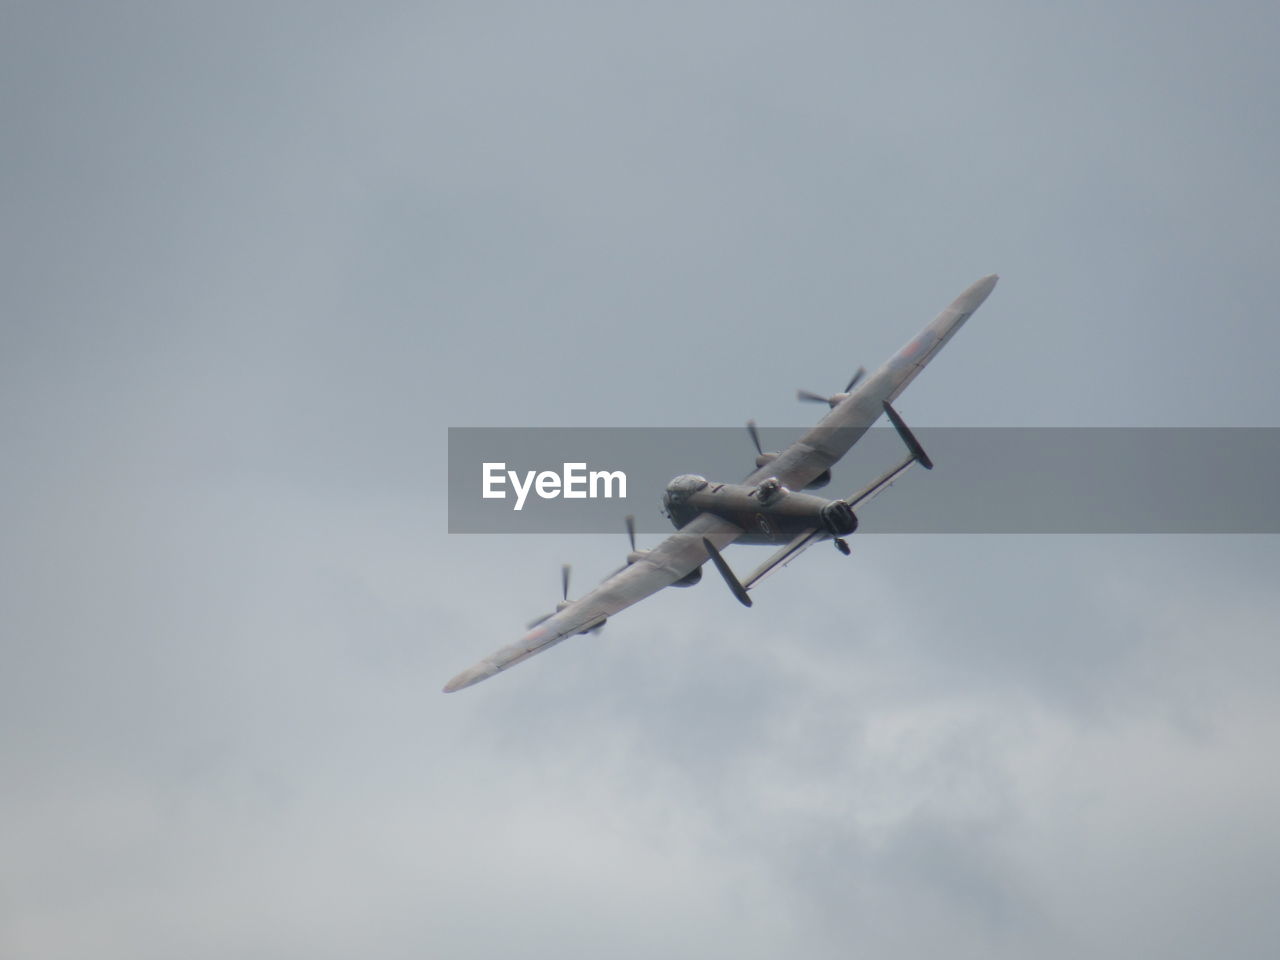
point(767, 507)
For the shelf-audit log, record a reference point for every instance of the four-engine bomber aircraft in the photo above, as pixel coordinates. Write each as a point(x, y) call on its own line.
point(764, 508)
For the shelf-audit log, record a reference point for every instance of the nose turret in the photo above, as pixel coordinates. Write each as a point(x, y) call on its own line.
point(683, 487)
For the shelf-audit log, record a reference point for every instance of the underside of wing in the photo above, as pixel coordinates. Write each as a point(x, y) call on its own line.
point(822, 446)
point(575, 618)
point(671, 560)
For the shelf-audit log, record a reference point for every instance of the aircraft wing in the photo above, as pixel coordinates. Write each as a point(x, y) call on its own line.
point(838, 431)
point(830, 439)
point(669, 561)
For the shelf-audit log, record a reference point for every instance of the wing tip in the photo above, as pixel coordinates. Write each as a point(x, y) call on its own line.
point(976, 293)
point(473, 675)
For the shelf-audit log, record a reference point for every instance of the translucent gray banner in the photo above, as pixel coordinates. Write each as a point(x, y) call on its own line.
point(985, 480)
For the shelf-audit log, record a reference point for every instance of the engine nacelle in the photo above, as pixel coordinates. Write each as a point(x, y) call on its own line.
point(839, 519)
point(821, 480)
point(690, 578)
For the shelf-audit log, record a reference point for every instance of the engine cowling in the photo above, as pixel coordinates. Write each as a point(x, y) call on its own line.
point(821, 480)
point(690, 578)
point(839, 519)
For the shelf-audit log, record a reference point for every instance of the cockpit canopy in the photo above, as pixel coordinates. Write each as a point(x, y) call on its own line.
point(684, 486)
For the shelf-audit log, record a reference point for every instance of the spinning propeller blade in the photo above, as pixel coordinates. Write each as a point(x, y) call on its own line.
point(835, 398)
point(564, 598)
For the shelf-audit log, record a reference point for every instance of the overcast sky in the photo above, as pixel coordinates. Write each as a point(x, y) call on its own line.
point(258, 257)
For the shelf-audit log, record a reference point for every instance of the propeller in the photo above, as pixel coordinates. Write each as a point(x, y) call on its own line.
point(564, 598)
point(635, 553)
point(762, 458)
point(836, 398)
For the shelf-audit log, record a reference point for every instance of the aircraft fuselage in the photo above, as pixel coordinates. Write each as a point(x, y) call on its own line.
point(767, 511)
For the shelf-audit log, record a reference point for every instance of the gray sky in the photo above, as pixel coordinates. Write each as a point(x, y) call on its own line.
point(256, 259)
